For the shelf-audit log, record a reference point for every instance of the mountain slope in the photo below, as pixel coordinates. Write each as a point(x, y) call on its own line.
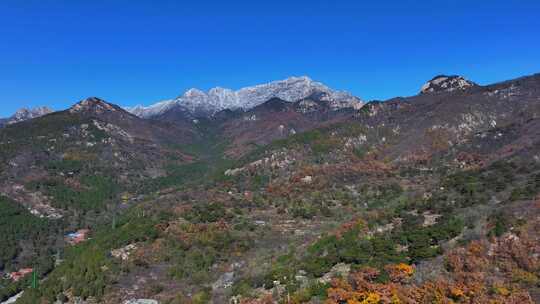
point(60, 152)
point(461, 156)
point(421, 199)
point(76, 169)
point(455, 129)
point(278, 119)
point(478, 120)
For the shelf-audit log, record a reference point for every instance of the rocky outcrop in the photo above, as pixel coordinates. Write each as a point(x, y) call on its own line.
point(444, 83)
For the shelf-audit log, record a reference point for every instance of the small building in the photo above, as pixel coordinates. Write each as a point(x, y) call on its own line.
point(77, 237)
point(17, 275)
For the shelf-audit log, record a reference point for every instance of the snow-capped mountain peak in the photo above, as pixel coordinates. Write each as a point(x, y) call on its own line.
point(26, 114)
point(217, 99)
point(194, 93)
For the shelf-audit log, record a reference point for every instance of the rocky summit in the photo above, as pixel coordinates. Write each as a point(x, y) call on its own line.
point(443, 83)
point(94, 105)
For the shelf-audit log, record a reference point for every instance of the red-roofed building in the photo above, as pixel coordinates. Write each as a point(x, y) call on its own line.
point(77, 237)
point(17, 275)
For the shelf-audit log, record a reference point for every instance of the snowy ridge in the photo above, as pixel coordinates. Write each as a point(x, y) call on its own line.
point(217, 99)
point(26, 114)
point(153, 110)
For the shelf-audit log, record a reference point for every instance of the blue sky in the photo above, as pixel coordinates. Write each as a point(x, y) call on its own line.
point(138, 52)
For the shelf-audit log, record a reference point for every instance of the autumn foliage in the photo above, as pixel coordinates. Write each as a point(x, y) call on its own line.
point(362, 288)
point(471, 278)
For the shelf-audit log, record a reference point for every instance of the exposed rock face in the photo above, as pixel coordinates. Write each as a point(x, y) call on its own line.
point(141, 301)
point(25, 114)
point(13, 299)
point(124, 252)
point(443, 83)
point(218, 99)
point(93, 105)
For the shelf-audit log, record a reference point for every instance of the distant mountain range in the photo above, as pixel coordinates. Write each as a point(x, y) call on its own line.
point(25, 114)
point(255, 116)
point(247, 118)
point(292, 89)
point(196, 103)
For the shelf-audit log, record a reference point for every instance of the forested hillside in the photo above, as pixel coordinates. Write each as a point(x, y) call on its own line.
point(433, 198)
